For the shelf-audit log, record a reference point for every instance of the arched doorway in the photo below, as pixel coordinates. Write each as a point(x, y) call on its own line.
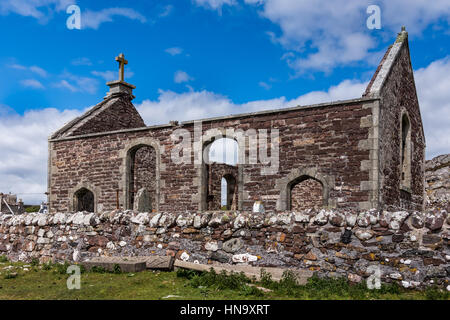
point(84, 200)
point(141, 170)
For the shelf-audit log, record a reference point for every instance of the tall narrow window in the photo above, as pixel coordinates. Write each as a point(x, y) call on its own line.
point(406, 153)
point(228, 192)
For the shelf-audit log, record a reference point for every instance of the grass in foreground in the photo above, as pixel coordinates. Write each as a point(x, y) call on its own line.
point(48, 281)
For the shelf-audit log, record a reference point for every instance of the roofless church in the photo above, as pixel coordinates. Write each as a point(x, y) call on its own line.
point(359, 154)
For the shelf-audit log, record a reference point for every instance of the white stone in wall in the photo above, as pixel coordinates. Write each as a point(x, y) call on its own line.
point(141, 218)
point(42, 220)
point(59, 218)
point(240, 221)
point(110, 245)
point(78, 218)
point(154, 221)
point(322, 217)
point(183, 221)
point(243, 258)
point(258, 207)
point(364, 234)
point(76, 255)
point(397, 219)
point(184, 256)
point(284, 218)
point(29, 219)
point(41, 232)
point(301, 217)
point(212, 246)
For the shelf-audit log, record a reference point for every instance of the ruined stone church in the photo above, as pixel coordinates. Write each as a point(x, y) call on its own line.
point(357, 154)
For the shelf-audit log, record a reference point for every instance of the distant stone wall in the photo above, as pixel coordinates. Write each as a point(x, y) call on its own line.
point(412, 249)
point(437, 181)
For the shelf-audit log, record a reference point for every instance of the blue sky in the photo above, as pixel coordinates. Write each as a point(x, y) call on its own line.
point(199, 58)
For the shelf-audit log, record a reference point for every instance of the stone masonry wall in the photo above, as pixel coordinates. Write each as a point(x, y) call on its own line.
point(410, 248)
point(323, 142)
point(399, 96)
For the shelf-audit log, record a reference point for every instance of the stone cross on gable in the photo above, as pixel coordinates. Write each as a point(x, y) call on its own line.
point(122, 62)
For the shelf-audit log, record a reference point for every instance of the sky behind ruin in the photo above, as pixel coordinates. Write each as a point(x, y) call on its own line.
point(193, 59)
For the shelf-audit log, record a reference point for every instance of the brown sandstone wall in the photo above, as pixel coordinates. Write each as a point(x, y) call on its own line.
point(323, 138)
point(399, 93)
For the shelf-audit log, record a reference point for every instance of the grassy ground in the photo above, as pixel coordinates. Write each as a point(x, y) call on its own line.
point(33, 281)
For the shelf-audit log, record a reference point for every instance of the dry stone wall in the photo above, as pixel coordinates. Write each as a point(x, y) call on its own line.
point(409, 248)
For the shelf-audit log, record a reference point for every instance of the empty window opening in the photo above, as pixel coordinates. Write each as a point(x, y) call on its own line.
point(142, 178)
point(306, 193)
point(228, 192)
point(219, 183)
point(223, 150)
point(406, 153)
point(84, 200)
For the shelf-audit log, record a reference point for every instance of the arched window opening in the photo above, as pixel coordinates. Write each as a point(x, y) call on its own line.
point(219, 175)
point(84, 200)
point(405, 152)
point(305, 193)
point(223, 150)
point(142, 178)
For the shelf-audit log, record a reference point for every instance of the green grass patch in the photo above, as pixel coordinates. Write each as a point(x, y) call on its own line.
point(49, 281)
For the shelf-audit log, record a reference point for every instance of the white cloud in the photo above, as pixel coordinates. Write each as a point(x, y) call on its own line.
point(204, 104)
point(93, 19)
point(43, 10)
point(23, 164)
point(38, 9)
point(66, 85)
point(215, 4)
point(32, 83)
point(181, 76)
point(18, 66)
point(167, 10)
point(112, 75)
point(76, 83)
point(265, 85)
point(107, 75)
point(174, 51)
point(38, 70)
point(323, 34)
point(433, 83)
point(83, 61)
point(34, 69)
